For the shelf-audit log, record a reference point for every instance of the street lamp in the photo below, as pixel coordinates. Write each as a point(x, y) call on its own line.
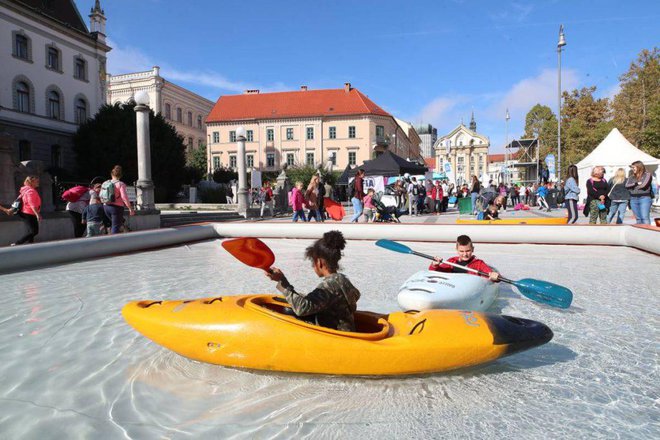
point(242, 193)
point(145, 186)
point(506, 147)
point(561, 43)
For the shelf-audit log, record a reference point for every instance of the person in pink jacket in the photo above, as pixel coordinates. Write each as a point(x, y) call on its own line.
point(114, 209)
point(30, 209)
point(297, 202)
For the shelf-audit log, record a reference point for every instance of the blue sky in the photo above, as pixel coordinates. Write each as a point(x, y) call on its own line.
point(423, 61)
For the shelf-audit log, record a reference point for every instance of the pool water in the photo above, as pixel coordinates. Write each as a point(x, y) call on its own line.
point(72, 368)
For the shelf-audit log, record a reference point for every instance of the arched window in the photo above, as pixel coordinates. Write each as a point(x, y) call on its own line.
point(179, 115)
point(168, 111)
point(199, 121)
point(22, 97)
point(80, 68)
point(81, 110)
point(190, 119)
point(22, 46)
point(53, 58)
point(53, 104)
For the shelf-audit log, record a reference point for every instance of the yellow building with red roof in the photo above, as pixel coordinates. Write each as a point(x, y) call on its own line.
point(313, 127)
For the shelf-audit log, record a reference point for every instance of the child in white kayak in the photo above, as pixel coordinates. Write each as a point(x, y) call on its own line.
point(334, 301)
point(466, 258)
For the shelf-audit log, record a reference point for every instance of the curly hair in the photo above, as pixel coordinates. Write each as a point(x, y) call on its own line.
point(328, 248)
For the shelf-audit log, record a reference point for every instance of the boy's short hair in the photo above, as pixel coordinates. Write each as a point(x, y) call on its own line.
point(463, 240)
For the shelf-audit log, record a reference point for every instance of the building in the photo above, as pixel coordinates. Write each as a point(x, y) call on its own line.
point(52, 76)
point(497, 168)
point(185, 110)
point(429, 135)
point(314, 127)
point(465, 150)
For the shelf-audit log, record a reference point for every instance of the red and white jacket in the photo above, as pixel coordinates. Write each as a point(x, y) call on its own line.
point(473, 263)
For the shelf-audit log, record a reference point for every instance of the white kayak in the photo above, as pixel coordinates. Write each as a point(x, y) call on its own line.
point(428, 289)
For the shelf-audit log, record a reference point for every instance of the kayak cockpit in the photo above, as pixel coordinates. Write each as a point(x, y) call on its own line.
point(370, 326)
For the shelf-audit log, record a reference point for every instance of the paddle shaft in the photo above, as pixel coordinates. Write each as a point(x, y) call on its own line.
point(469, 269)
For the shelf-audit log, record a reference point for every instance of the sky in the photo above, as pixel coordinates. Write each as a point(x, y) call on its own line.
point(430, 62)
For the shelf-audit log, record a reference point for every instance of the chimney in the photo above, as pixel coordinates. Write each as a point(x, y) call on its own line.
point(347, 87)
point(251, 92)
point(303, 88)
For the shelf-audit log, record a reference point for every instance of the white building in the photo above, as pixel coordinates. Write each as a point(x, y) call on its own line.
point(429, 135)
point(185, 110)
point(52, 76)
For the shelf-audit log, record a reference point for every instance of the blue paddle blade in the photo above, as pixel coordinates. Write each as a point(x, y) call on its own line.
point(394, 246)
point(545, 292)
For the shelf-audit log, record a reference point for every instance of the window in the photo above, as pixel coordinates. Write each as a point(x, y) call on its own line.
point(179, 115)
point(190, 119)
point(250, 160)
point(54, 105)
point(199, 121)
point(352, 157)
point(80, 68)
point(56, 156)
point(289, 134)
point(310, 133)
point(216, 162)
point(21, 47)
point(270, 134)
point(216, 137)
point(250, 136)
point(232, 136)
point(351, 132)
point(168, 111)
point(24, 150)
point(290, 159)
point(232, 161)
point(310, 159)
point(270, 160)
point(333, 158)
point(380, 131)
point(52, 58)
point(333, 133)
point(81, 110)
point(190, 142)
point(23, 97)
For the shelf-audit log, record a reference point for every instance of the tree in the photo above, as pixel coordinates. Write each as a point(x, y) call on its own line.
point(541, 124)
point(650, 138)
point(640, 92)
point(110, 138)
point(196, 163)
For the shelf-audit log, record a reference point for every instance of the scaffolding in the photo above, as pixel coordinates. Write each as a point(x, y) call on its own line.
point(526, 153)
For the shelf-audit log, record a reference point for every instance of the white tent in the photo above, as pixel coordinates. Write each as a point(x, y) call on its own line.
point(615, 151)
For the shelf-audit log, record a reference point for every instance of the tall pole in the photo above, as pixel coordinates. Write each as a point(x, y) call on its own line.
point(242, 192)
point(560, 44)
point(506, 148)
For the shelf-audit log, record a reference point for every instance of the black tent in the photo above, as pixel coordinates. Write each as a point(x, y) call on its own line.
point(389, 164)
point(347, 174)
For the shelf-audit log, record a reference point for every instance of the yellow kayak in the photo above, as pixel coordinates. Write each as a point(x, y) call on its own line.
point(515, 221)
point(258, 332)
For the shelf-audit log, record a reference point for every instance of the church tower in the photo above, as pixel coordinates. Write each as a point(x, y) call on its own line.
point(97, 21)
point(473, 123)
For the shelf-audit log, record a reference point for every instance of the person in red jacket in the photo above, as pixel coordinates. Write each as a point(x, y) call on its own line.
point(466, 258)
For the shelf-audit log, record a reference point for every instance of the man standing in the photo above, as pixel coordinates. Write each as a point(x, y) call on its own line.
point(357, 196)
point(266, 198)
point(413, 192)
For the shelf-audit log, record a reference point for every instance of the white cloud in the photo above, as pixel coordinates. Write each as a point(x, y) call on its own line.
point(437, 111)
point(127, 59)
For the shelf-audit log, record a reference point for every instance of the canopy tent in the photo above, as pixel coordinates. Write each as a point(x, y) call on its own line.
point(615, 151)
point(345, 176)
point(389, 164)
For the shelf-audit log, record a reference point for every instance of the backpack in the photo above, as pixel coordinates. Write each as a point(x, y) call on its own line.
point(16, 206)
point(291, 198)
point(107, 192)
point(73, 194)
point(415, 189)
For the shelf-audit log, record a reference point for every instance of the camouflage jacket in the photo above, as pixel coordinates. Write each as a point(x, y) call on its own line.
point(331, 304)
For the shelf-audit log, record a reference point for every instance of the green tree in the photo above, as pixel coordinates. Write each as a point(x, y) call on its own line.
point(541, 124)
point(650, 138)
point(304, 174)
point(110, 138)
point(196, 163)
point(640, 93)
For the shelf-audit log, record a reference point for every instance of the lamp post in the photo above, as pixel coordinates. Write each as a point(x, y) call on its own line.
point(145, 186)
point(242, 193)
point(561, 43)
point(209, 158)
point(506, 147)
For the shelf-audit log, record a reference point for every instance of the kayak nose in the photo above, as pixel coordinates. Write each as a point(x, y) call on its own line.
point(518, 334)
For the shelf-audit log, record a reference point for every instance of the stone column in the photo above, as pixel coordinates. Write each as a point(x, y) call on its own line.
point(7, 168)
point(145, 186)
point(243, 202)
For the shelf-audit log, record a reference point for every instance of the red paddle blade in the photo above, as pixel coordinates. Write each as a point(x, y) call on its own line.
point(250, 251)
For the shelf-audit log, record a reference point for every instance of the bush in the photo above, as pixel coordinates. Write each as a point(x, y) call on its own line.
point(212, 195)
point(305, 173)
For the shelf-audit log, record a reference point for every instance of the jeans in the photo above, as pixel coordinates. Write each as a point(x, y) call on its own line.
point(357, 209)
point(641, 207)
point(316, 214)
point(299, 214)
point(412, 204)
point(32, 224)
point(618, 208)
point(571, 205)
point(93, 229)
point(116, 215)
point(474, 197)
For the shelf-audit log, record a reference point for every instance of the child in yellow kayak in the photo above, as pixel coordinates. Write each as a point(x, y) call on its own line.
point(334, 301)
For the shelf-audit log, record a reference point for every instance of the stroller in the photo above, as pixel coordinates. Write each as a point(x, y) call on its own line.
point(385, 214)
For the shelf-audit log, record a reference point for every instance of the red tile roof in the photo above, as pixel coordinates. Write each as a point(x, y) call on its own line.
point(293, 104)
point(500, 157)
point(430, 162)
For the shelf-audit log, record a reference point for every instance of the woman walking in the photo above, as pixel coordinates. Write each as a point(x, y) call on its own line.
point(597, 189)
point(475, 188)
point(30, 209)
point(639, 184)
point(572, 193)
point(312, 197)
point(114, 197)
point(619, 196)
